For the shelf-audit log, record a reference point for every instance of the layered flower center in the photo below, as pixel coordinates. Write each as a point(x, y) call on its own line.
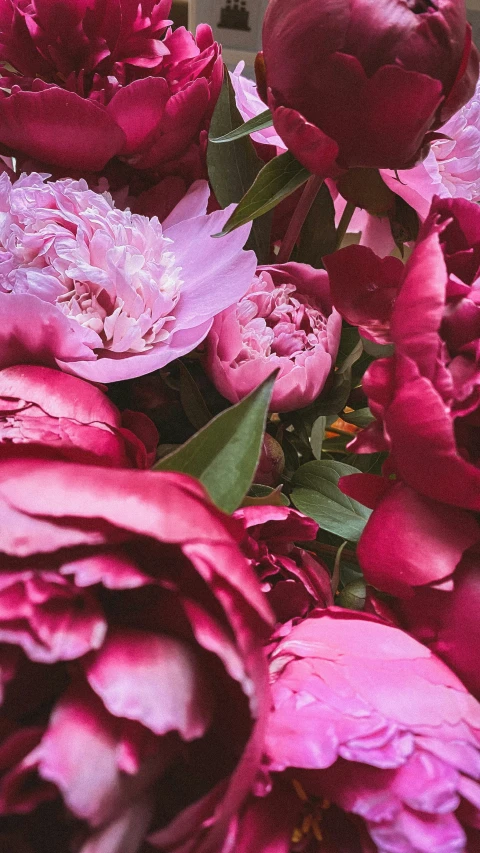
point(110, 270)
point(278, 321)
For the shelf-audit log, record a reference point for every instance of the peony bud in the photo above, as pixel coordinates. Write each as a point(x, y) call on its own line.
point(364, 84)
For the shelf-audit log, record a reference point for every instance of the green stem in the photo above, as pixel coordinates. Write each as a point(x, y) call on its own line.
point(295, 225)
point(345, 220)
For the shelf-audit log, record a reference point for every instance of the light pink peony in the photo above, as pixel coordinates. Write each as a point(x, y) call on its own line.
point(71, 419)
point(250, 105)
point(285, 320)
point(106, 294)
point(452, 167)
point(133, 680)
point(365, 716)
point(86, 81)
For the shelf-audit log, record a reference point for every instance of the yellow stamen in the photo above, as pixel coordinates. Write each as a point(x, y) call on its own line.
point(316, 829)
point(307, 823)
point(299, 790)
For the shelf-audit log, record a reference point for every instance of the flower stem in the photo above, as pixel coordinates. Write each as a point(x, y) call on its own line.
point(296, 223)
point(345, 220)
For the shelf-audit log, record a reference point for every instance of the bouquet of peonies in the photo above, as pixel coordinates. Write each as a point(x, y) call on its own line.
point(239, 431)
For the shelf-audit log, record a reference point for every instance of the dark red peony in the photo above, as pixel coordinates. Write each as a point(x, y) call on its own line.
point(359, 83)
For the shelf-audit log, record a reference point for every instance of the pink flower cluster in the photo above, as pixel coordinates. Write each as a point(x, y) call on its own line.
point(174, 678)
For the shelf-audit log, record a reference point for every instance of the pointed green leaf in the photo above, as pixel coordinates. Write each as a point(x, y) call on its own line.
point(191, 399)
point(277, 180)
point(256, 123)
point(316, 493)
point(224, 454)
point(233, 168)
point(319, 235)
point(361, 418)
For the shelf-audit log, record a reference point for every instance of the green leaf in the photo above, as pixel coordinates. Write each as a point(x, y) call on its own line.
point(224, 454)
point(316, 493)
point(360, 418)
point(335, 400)
point(233, 168)
point(377, 350)
point(319, 235)
point(256, 123)
point(318, 435)
point(191, 399)
point(277, 180)
point(259, 495)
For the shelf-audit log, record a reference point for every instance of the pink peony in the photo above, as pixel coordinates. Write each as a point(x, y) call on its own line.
point(451, 169)
point(293, 579)
point(426, 397)
point(250, 105)
point(94, 79)
point(106, 294)
point(351, 84)
point(69, 418)
point(132, 672)
point(367, 719)
point(285, 320)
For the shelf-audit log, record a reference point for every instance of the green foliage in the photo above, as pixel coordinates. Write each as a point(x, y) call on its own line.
point(319, 235)
point(277, 180)
point(233, 168)
point(224, 454)
point(256, 123)
point(316, 493)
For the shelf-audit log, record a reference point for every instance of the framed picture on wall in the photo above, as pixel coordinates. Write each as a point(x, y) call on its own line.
point(236, 24)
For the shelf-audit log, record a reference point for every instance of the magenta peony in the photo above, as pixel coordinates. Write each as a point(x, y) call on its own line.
point(364, 288)
point(107, 294)
point(366, 717)
point(354, 84)
point(88, 80)
point(293, 579)
point(126, 602)
point(426, 554)
point(66, 417)
point(426, 397)
point(285, 320)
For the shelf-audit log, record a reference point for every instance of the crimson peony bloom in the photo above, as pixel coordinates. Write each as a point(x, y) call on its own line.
point(364, 288)
point(67, 417)
point(106, 294)
point(367, 719)
point(88, 80)
point(353, 83)
point(133, 676)
point(285, 320)
point(293, 579)
point(426, 397)
point(426, 554)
